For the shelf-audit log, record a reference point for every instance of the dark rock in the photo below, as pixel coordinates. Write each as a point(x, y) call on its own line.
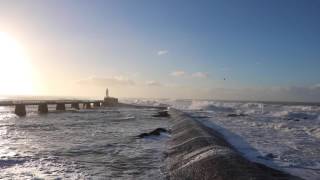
point(270, 156)
point(267, 156)
point(143, 135)
point(293, 119)
point(155, 132)
point(162, 114)
point(236, 115)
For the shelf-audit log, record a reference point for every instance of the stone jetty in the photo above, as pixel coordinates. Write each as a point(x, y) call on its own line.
point(196, 152)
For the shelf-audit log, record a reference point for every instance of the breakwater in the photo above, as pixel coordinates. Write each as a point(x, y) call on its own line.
point(197, 152)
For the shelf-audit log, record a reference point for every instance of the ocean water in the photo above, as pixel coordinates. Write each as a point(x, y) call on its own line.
point(281, 135)
point(102, 144)
point(86, 144)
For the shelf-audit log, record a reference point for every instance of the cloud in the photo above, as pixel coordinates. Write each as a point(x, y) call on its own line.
point(178, 73)
point(153, 83)
point(106, 81)
point(162, 52)
point(199, 75)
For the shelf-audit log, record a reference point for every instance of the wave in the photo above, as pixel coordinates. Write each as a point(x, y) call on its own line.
point(219, 109)
point(292, 115)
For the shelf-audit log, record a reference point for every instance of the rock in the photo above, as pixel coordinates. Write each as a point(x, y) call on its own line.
point(267, 156)
point(155, 132)
point(270, 156)
point(143, 135)
point(236, 115)
point(161, 114)
point(293, 119)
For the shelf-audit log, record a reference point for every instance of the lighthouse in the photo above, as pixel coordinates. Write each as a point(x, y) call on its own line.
point(109, 101)
point(107, 92)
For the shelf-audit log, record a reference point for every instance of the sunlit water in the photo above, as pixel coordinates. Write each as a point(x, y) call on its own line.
point(85, 144)
point(283, 136)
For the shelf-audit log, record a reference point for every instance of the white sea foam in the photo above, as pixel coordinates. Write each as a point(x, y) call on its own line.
point(283, 136)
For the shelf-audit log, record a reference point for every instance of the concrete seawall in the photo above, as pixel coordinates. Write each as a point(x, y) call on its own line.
point(197, 152)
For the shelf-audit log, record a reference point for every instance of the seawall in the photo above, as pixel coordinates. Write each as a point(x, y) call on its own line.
point(196, 152)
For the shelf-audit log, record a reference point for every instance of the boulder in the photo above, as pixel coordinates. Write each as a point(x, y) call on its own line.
point(155, 132)
point(162, 114)
point(236, 115)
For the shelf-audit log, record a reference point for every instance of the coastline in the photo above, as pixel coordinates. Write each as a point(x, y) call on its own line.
point(198, 152)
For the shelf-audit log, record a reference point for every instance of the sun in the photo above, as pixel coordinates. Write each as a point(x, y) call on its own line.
point(15, 69)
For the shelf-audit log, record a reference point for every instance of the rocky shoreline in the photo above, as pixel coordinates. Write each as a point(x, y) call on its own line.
point(197, 152)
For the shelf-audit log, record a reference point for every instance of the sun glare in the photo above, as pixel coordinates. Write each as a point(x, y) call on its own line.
point(15, 69)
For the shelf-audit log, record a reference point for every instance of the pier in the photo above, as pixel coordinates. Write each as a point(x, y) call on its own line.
point(20, 106)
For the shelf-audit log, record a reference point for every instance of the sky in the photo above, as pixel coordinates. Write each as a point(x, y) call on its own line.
point(215, 49)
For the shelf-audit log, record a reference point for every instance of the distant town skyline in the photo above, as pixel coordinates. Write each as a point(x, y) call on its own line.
point(233, 50)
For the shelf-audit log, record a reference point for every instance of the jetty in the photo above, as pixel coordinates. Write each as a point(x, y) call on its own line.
point(199, 153)
point(20, 105)
point(60, 105)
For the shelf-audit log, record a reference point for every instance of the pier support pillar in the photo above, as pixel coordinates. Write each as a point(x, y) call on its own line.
point(87, 105)
point(75, 106)
point(43, 108)
point(61, 107)
point(20, 110)
point(96, 104)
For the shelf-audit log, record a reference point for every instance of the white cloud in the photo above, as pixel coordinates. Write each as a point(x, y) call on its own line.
point(200, 75)
point(178, 73)
point(107, 81)
point(162, 52)
point(153, 83)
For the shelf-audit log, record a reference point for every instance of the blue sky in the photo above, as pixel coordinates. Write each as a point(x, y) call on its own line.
point(257, 45)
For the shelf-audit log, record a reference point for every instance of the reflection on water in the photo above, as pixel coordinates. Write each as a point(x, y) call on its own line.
point(97, 144)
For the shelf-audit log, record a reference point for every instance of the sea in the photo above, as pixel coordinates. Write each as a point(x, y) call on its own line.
point(102, 143)
point(281, 135)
